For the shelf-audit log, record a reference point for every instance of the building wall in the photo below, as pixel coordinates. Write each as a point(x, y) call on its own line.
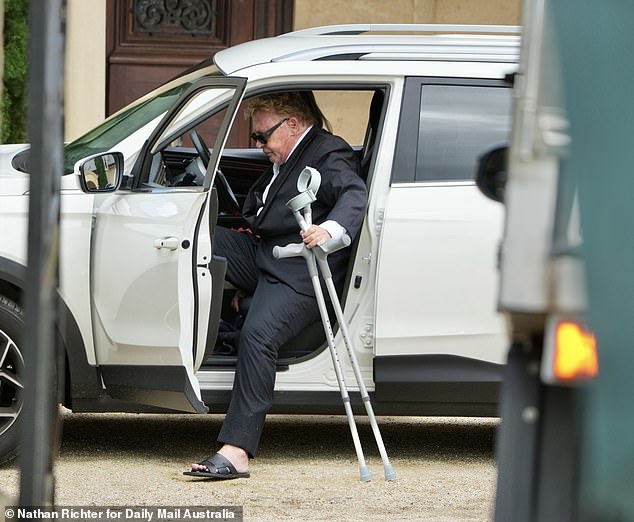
point(311, 13)
point(85, 82)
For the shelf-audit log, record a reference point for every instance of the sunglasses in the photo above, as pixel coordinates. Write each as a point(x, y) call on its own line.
point(263, 137)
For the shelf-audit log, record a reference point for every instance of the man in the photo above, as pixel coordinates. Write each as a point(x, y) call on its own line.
point(288, 128)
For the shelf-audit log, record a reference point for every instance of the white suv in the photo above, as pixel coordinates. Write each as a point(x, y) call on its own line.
point(141, 293)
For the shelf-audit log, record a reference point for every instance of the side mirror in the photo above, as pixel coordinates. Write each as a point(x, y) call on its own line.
point(491, 173)
point(101, 173)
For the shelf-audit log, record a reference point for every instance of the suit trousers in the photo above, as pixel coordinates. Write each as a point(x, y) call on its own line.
point(277, 313)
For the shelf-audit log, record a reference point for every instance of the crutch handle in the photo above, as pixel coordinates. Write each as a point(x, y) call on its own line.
point(299, 249)
point(296, 250)
point(290, 250)
point(332, 245)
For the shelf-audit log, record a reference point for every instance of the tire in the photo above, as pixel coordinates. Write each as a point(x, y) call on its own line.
point(11, 377)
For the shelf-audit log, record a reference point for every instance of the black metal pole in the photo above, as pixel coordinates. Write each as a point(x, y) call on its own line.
point(518, 436)
point(39, 417)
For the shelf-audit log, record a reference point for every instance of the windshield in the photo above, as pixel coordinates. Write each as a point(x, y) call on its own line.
point(119, 127)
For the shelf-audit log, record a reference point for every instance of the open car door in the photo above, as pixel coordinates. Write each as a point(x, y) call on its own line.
point(152, 273)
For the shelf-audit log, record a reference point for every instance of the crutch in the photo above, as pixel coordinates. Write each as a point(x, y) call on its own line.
point(307, 185)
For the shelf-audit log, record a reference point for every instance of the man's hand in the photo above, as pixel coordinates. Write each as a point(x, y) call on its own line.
point(235, 301)
point(315, 236)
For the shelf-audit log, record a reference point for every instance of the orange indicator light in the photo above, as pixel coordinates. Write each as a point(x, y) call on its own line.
point(575, 353)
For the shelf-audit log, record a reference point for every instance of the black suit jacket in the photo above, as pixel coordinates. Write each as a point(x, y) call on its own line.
point(342, 197)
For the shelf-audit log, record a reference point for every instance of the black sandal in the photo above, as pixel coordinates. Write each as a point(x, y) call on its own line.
point(218, 468)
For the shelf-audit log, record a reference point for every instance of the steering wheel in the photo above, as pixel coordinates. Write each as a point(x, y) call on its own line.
point(225, 192)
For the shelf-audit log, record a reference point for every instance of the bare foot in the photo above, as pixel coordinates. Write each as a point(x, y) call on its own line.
point(237, 456)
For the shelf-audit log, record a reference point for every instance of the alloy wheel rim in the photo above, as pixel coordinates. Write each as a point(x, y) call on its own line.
point(11, 382)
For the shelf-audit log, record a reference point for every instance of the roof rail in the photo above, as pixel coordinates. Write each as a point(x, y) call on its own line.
point(354, 29)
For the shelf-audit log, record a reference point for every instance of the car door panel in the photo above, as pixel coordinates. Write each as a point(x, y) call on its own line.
point(141, 307)
point(151, 281)
point(437, 280)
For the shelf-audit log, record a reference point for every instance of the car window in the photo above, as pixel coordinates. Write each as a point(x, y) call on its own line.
point(189, 139)
point(445, 124)
point(456, 124)
point(178, 164)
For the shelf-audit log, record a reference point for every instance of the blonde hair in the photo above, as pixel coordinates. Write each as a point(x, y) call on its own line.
point(298, 104)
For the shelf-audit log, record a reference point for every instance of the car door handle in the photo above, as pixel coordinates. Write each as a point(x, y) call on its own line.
point(170, 243)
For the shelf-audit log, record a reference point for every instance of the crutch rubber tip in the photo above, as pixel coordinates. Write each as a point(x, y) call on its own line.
point(389, 472)
point(364, 474)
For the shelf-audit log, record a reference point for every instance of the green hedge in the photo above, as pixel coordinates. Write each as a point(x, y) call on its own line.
point(14, 96)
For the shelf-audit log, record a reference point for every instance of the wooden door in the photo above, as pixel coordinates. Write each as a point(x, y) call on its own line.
point(152, 41)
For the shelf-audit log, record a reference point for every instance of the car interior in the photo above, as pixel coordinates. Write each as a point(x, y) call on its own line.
point(238, 169)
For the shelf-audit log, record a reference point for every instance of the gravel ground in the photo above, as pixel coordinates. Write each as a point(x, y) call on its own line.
point(306, 468)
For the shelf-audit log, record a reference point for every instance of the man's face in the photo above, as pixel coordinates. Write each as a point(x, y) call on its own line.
point(280, 142)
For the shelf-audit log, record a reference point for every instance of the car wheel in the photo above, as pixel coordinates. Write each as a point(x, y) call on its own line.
point(11, 377)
